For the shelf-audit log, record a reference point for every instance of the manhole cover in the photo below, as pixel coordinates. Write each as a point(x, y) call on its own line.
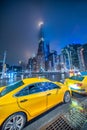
point(58, 124)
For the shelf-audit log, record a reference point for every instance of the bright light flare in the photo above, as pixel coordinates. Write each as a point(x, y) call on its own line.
point(75, 104)
point(40, 23)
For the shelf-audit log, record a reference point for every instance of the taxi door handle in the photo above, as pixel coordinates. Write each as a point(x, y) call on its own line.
point(48, 94)
point(24, 100)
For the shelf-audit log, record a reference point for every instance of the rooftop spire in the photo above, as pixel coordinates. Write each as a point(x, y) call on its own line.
point(40, 23)
point(41, 32)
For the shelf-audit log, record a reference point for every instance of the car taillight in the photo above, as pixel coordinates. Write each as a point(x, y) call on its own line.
point(79, 84)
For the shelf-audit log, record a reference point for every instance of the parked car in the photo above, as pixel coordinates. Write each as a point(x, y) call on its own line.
point(77, 84)
point(27, 98)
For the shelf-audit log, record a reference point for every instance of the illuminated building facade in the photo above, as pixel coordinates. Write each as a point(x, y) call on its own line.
point(82, 53)
point(85, 56)
point(70, 56)
point(32, 64)
point(52, 62)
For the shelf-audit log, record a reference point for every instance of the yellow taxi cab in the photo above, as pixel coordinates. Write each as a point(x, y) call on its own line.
point(27, 98)
point(77, 84)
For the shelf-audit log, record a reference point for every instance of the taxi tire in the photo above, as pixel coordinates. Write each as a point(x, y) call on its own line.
point(67, 97)
point(20, 114)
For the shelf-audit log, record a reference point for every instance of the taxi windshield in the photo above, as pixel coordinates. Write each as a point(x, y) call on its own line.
point(78, 78)
point(11, 87)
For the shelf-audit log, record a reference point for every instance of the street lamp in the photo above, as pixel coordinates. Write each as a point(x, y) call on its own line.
point(4, 65)
point(81, 52)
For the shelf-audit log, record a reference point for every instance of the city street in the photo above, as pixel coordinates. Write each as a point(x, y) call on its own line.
point(43, 121)
point(43, 62)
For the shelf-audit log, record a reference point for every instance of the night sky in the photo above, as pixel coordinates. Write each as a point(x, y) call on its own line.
point(65, 22)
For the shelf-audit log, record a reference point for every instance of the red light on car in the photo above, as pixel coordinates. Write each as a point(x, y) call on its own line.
point(79, 84)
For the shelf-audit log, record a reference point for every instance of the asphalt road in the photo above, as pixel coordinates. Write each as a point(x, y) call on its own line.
point(48, 116)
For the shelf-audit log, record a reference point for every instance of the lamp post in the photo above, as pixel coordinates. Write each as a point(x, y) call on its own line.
point(4, 66)
point(82, 58)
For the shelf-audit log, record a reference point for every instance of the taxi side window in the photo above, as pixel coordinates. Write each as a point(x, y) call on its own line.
point(37, 88)
point(23, 92)
point(40, 86)
point(52, 86)
point(47, 86)
point(31, 89)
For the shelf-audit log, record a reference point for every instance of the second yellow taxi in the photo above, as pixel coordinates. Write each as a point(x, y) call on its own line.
point(77, 84)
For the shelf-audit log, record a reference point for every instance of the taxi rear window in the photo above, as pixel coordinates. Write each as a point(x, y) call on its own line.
point(11, 87)
point(78, 78)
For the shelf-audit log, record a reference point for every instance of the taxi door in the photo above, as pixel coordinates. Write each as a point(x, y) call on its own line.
point(53, 94)
point(32, 99)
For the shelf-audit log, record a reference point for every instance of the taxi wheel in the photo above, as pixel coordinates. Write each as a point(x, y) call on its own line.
point(67, 97)
point(15, 122)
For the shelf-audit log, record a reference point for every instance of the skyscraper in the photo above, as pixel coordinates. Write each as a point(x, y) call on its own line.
point(84, 56)
point(82, 53)
point(70, 54)
point(44, 59)
point(43, 49)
